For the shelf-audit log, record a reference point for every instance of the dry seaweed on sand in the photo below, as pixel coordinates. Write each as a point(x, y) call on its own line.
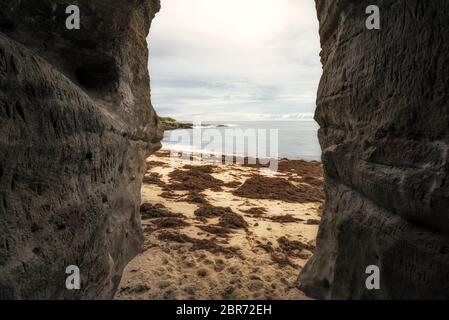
point(233, 221)
point(313, 222)
point(166, 223)
point(301, 167)
point(154, 164)
point(256, 211)
point(293, 245)
point(209, 211)
point(233, 184)
point(152, 211)
point(267, 247)
point(313, 181)
point(170, 195)
point(216, 230)
point(228, 218)
point(288, 218)
point(287, 248)
point(195, 197)
point(278, 257)
point(274, 188)
point(202, 168)
point(153, 178)
point(282, 260)
point(194, 178)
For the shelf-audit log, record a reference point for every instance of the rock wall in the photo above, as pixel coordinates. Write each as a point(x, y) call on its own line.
point(384, 117)
point(76, 124)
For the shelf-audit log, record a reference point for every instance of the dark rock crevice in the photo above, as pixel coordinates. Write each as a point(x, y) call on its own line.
point(76, 124)
point(382, 108)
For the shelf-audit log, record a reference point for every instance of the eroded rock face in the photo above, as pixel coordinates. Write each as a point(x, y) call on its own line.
point(76, 124)
point(384, 117)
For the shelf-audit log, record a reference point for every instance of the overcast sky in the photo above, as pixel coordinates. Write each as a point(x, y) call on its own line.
point(235, 59)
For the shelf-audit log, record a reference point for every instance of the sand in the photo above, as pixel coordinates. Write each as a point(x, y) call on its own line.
point(224, 231)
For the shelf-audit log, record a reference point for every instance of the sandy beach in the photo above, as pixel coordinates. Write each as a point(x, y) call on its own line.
point(226, 231)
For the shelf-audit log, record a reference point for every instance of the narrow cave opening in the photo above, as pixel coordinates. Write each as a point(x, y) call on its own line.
point(234, 213)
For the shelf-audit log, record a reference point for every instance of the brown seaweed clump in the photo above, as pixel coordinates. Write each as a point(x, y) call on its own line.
point(287, 249)
point(209, 211)
point(313, 222)
point(154, 164)
point(301, 168)
point(256, 212)
point(195, 179)
point(196, 197)
point(233, 221)
point(170, 223)
point(228, 218)
point(278, 256)
point(293, 245)
point(260, 187)
point(216, 230)
point(233, 184)
point(153, 178)
point(153, 211)
point(288, 218)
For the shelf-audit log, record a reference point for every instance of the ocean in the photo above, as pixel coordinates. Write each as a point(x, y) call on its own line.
point(293, 140)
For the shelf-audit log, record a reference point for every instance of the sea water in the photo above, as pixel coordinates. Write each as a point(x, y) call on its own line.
point(295, 139)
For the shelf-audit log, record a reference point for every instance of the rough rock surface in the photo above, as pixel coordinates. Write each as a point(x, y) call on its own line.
point(384, 117)
point(76, 124)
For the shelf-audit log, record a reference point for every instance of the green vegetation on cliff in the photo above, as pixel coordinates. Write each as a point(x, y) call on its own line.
point(172, 124)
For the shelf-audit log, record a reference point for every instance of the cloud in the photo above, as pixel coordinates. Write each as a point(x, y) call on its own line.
point(226, 58)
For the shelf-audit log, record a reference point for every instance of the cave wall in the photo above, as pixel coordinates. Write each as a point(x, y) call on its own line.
point(384, 115)
point(76, 124)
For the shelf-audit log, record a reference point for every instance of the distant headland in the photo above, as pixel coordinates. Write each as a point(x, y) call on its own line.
point(170, 123)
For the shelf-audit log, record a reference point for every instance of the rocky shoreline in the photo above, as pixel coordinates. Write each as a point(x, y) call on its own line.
point(172, 124)
point(169, 124)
